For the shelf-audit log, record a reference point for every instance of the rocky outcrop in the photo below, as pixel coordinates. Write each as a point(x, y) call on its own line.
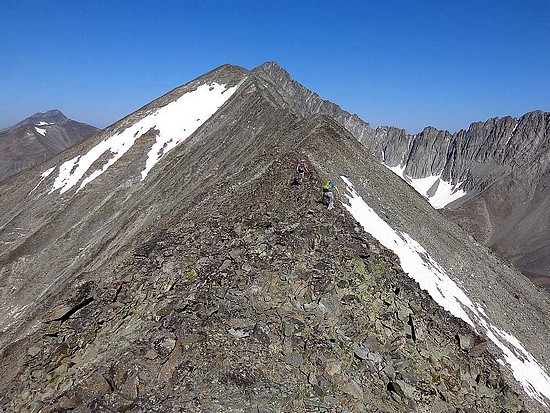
point(508, 174)
point(38, 138)
point(308, 103)
point(467, 156)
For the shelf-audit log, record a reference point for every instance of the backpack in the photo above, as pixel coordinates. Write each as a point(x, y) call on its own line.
point(301, 167)
point(327, 186)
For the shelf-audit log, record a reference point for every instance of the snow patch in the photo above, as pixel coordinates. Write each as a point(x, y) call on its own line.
point(40, 131)
point(174, 123)
point(42, 123)
point(445, 193)
point(42, 177)
point(179, 120)
point(418, 264)
point(423, 185)
point(398, 170)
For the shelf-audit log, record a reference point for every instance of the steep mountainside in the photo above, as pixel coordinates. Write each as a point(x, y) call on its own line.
point(491, 178)
point(169, 264)
point(37, 138)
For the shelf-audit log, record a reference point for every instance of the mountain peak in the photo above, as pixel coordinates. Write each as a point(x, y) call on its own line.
point(270, 65)
point(37, 138)
point(228, 69)
point(51, 116)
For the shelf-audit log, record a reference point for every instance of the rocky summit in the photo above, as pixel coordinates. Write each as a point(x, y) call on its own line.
point(173, 262)
point(37, 138)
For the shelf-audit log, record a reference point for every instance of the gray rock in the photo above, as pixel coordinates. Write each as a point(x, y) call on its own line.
point(404, 389)
point(226, 265)
point(294, 359)
point(333, 367)
point(33, 351)
point(466, 341)
point(354, 389)
point(362, 353)
point(479, 349)
point(312, 379)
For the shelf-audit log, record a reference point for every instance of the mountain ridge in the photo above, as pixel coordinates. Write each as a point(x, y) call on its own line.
point(52, 115)
point(214, 283)
point(458, 169)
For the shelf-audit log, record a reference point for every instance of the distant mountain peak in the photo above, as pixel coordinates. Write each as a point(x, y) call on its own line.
point(51, 112)
point(51, 116)
point(37, 138)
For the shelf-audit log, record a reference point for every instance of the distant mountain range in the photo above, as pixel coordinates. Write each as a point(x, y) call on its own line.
point(170, 262)
point(38, 138)
point(492, 178)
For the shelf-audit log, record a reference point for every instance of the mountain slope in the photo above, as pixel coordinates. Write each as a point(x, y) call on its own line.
point(37, 138)
point(491, 178)
point(210, 283)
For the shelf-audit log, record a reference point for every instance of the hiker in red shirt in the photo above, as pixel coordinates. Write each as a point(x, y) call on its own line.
point(301, 169)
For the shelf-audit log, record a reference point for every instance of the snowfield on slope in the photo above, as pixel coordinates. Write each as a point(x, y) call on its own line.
point(445, 192)
point(42, 177)
point(40, 131)
point(431, 277)
point(174, 123)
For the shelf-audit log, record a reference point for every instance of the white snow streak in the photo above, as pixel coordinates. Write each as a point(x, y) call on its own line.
point(41, 131)
point(174, 122)
point(512, 133)
point(445, 193)
point(42, 123)
point(177, 121)
point(42, 177)
point(431, 277)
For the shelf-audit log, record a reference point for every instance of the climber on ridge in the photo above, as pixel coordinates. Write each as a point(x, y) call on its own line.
point(328, 188)
point(301, 169)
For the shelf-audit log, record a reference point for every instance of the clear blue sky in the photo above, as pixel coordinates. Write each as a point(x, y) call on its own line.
point(403, 63)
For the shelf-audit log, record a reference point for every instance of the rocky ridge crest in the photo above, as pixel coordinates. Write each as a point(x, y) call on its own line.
point(503, 164)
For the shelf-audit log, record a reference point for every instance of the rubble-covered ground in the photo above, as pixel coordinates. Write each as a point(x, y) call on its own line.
point(266, 302)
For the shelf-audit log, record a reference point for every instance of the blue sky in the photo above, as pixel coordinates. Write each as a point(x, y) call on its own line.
point(403, 63)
